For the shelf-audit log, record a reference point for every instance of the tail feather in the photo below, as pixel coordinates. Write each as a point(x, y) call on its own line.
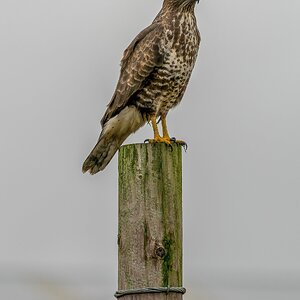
point(114, 133)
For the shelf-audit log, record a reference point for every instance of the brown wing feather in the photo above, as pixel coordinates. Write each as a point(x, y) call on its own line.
point(139, 60)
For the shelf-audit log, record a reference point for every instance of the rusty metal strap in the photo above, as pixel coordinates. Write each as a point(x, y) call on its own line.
point(165, 290)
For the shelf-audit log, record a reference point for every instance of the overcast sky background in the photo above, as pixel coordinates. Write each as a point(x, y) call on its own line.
point(59, 62)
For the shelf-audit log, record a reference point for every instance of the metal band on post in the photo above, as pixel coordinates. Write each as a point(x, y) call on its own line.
point(166, 290)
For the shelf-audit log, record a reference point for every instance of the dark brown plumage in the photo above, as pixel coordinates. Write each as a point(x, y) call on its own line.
point(155, 71)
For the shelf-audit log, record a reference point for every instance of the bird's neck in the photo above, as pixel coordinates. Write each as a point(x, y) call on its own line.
point(172, 9)
point(179, 6)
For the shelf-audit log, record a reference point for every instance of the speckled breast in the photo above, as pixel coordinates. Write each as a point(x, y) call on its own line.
point(168, 83)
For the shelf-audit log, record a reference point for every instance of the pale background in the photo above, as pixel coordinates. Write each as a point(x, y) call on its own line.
point(59, 62)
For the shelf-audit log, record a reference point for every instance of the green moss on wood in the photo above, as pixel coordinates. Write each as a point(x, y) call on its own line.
point(167, 261)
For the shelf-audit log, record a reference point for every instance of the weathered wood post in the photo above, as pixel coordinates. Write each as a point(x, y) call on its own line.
point(150, 222)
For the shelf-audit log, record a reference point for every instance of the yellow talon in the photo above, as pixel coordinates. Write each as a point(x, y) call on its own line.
point(159, 139)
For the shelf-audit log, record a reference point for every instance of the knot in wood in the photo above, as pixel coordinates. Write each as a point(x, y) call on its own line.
point(160, 251)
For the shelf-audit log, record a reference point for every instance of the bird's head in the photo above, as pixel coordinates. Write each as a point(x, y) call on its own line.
point(181, 3)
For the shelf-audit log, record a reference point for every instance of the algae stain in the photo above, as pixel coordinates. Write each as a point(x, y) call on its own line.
point(167, 261)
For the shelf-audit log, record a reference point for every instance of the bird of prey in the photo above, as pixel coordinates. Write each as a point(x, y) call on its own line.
point(155, 71)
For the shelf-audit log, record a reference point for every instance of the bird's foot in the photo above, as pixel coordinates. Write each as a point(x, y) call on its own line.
point(168, 141)
point(159, 139)
point(180, 142)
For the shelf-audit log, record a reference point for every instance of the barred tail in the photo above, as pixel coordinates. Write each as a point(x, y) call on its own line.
point(114, 133)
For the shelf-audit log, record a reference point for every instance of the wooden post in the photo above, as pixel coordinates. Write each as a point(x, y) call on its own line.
point(150, 219)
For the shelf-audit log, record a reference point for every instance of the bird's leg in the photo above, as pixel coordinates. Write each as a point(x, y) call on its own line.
point(166, 133)
point(165, 138)
point(157, 138)
point(165, 128)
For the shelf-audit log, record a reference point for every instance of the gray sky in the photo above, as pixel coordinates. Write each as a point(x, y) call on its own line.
point(240, 116)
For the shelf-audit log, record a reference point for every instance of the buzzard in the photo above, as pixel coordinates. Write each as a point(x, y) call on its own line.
point(155, 70)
